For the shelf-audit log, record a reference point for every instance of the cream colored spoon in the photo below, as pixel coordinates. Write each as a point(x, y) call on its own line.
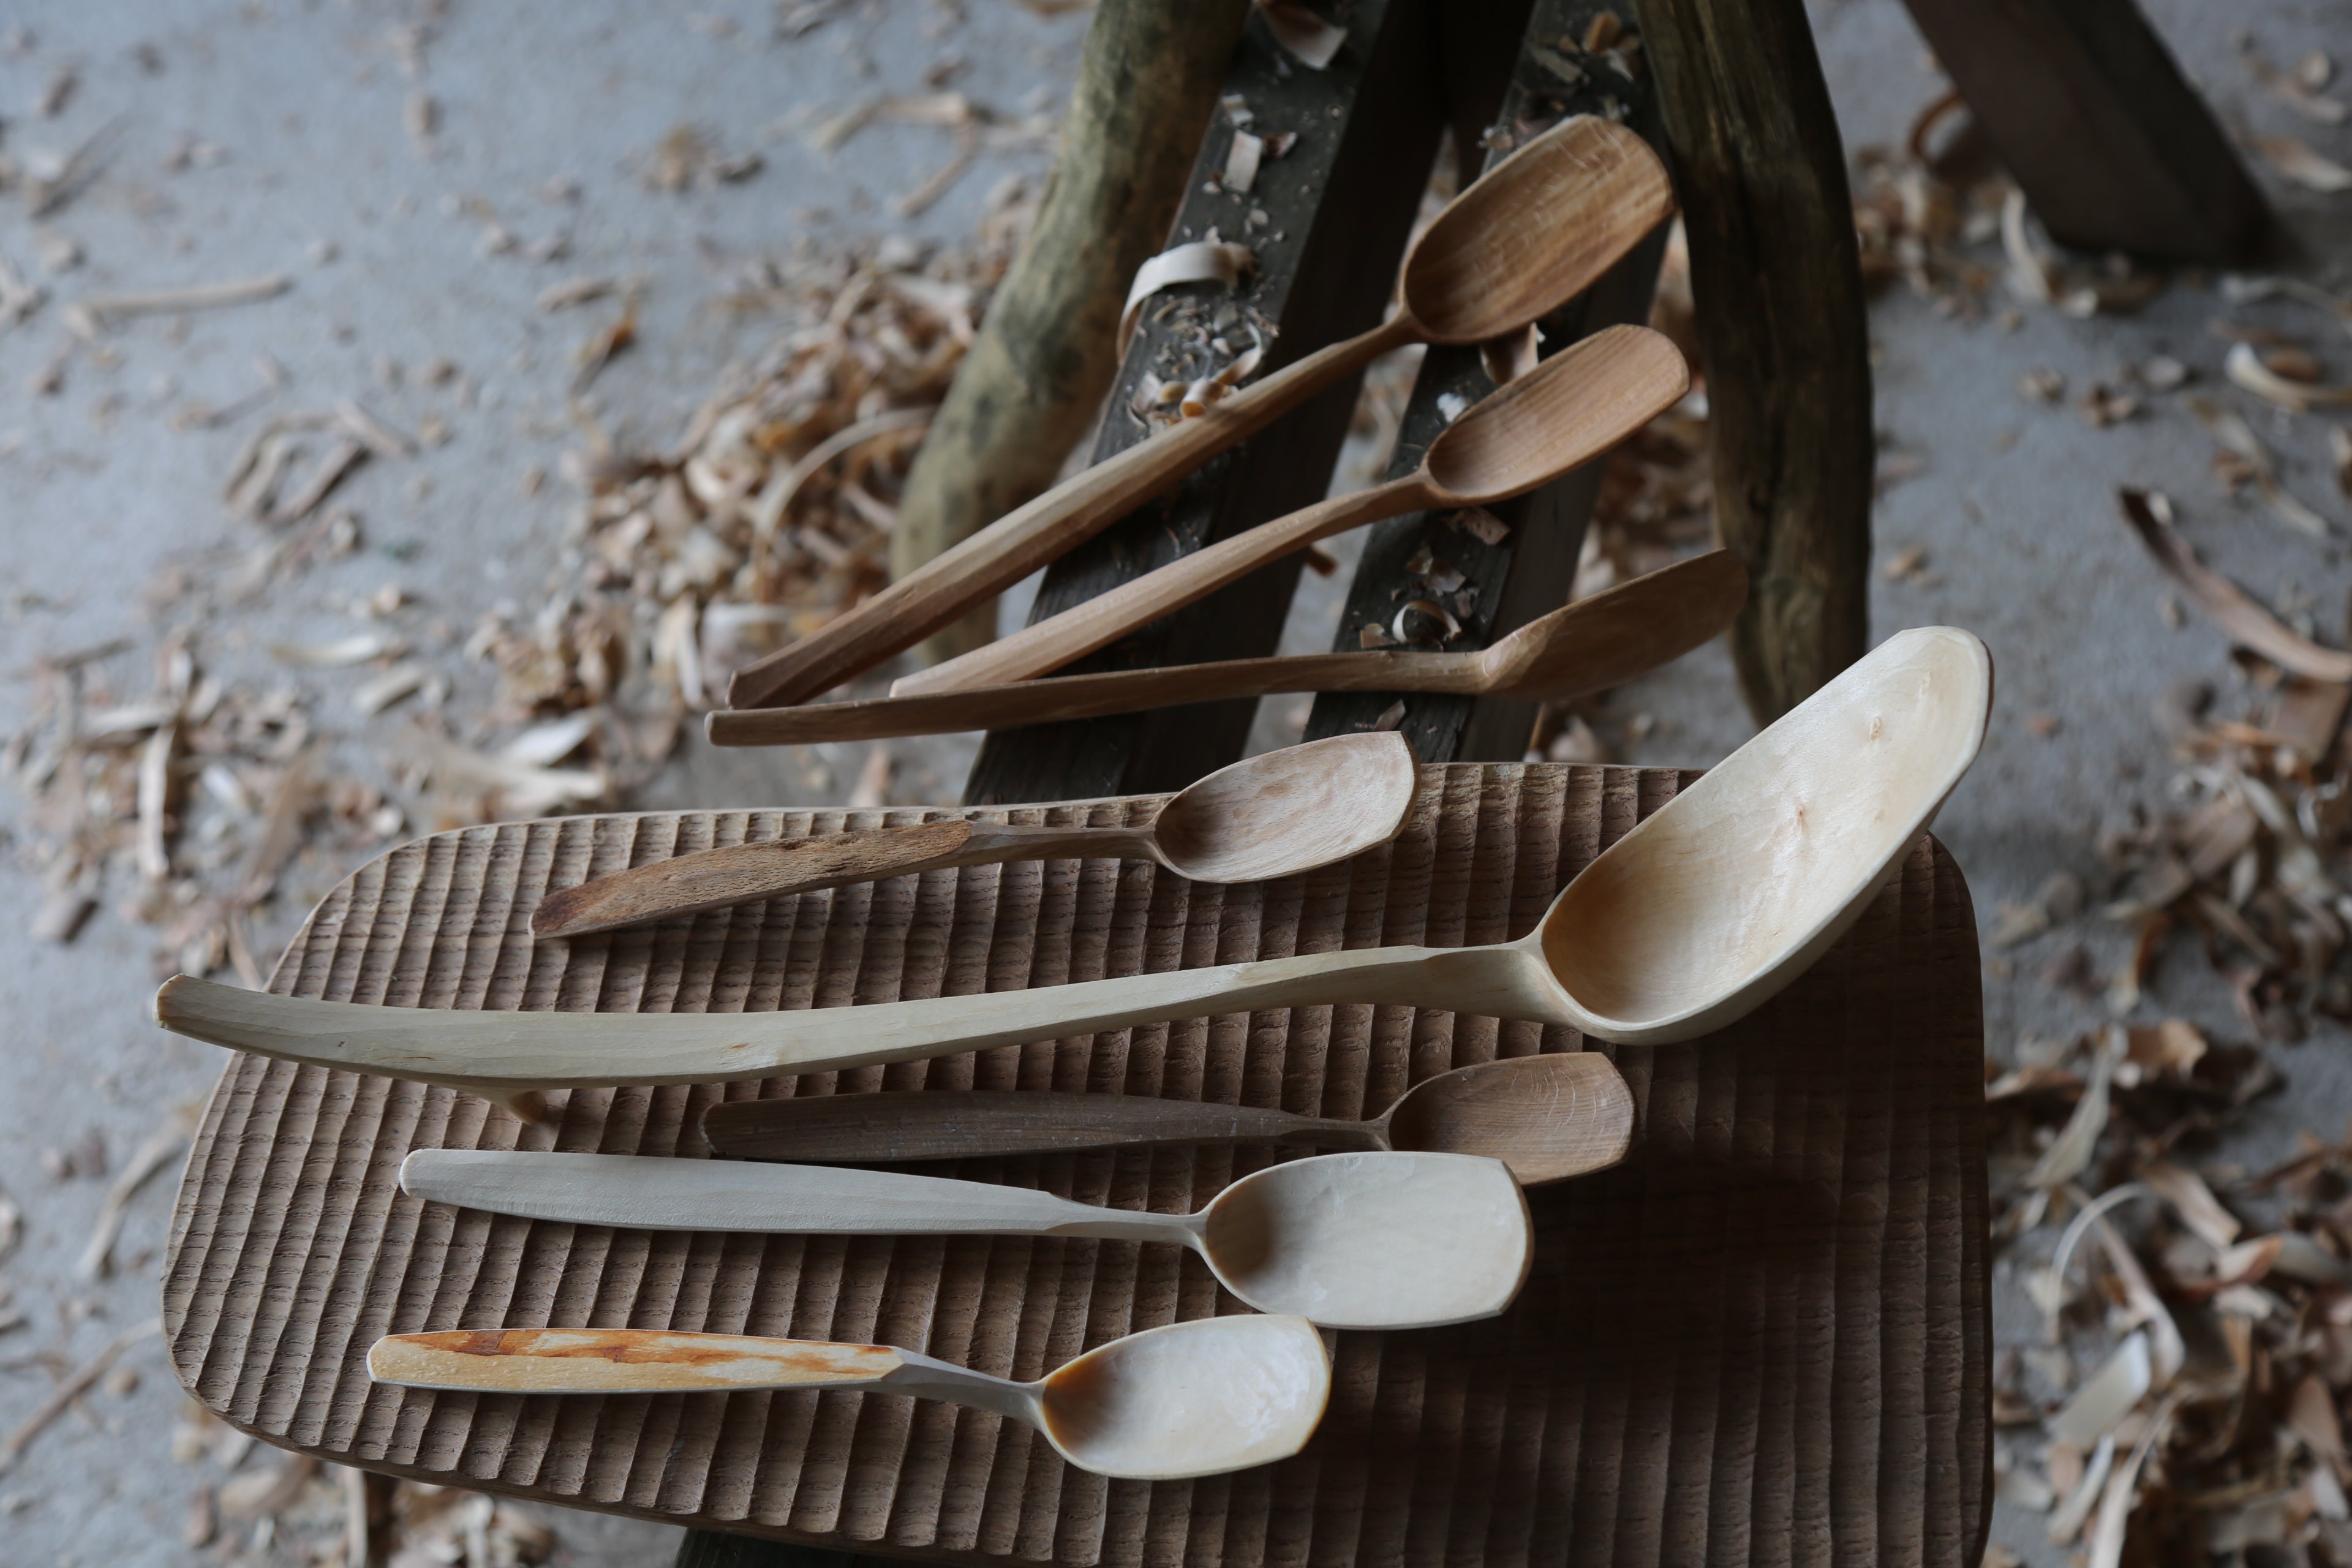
point(1543, 426)
point(1198, 1398)
point(1347, 1241)
point(1275, 815)
point(1725, 895)
point(1538, 228)
point(1589, 645)
point(1547, 1118)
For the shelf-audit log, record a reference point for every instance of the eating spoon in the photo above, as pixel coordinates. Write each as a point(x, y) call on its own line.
point(1275, 815)
point(1589, 645)
point(1347, 1241)
point(1534, 231)
point(1197, 1398)
point(1547, 1118)
point(1538, 427)
point(1723, 896)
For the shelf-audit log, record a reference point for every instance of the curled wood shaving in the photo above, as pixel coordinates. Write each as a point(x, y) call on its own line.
point(1196, 261)
point(2300, 164)
point(2254, 466)
point(2228, 605)
point(2243, 365)
point(1304, 36)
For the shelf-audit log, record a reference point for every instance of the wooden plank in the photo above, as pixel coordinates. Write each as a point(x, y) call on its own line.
point(1528, 573)
point(1778, 280)
point(2114, 149)
point(1339, 206)
point(1760, 1338)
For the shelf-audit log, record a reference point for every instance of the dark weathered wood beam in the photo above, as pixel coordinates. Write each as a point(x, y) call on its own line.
point(2112, 147)
point(1776, 277)
point(1339, 206)
point(1530, 570)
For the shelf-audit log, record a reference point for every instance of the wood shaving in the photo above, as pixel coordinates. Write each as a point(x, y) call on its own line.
point(2297, 394)
point(2299, 88)
point(93, 313)
point(2223, 601)
point(1209, 260)
point(76, 1383)
point(2244, 459)
point(2299, 164)
point(1305, 37)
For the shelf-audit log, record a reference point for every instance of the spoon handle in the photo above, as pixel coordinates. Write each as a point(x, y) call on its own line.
point(621, 1360)
point(1033, 535)
point(1053, 642)
point(500, 1053)
point(881, 1128)
point(1093, 696)
point(746, 873)
point(652, 1192)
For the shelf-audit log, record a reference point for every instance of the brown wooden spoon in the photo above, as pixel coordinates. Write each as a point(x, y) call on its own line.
point(1589, 645)
point(1535, 230)
point(1271, 816)
point(1567, 411)
point(1547, 1118)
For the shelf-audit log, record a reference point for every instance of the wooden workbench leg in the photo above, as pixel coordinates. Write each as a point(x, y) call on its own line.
point(1760, 171)
point(2112, 147)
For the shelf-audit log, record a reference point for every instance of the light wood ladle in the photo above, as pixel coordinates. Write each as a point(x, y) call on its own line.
point(1541, 427)
point(1347, 1241)
point(1535, 230)
point(1547, 1118)
point(1275, 815)
point(1197, 1398)
point(1589, 645)
point(1722, 897)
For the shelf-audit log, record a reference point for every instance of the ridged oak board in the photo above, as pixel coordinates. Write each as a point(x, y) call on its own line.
point(1762, 1338)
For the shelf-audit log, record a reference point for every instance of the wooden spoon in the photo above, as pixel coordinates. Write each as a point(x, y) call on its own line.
point(1547, 1118)
point(1537, 228)
point(1725, 895)
point(1589, 646)
point(1347, 1241)
point(1197, 1398)
point(1556, 418)
point(1266, 816)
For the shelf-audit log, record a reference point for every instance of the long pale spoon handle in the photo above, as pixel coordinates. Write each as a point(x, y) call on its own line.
point(652, 1361)
point(743, 873)
point(882, 1128)
point(500, 1053)
point(651, 1193)
point(1105, 618)
point(1093, 696)
point(1034, 535)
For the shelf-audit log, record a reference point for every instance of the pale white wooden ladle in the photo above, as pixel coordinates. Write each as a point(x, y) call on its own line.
point(1198, 1398)
point(1720, 899)
point(1362, 1240)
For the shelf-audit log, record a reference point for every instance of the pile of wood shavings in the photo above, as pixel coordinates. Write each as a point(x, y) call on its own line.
point(773, 515)
point(339, 1518)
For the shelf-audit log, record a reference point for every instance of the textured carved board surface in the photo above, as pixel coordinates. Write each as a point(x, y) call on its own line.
point(1762, 1339)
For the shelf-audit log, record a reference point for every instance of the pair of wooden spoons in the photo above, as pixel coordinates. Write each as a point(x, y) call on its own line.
point(1722, 897)
point(1273, 816)
point(1538, 228)
point(1189, 1399)
point(1546, 424)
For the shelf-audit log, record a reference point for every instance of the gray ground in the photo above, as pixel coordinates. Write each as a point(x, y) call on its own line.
point(294, 115)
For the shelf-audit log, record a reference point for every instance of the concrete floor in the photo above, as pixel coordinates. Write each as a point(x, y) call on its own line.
point(315, 175)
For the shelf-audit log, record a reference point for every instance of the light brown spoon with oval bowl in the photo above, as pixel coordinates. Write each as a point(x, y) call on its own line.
point(1535, 230)
point(1347, 1241)
point(1275, 815)
point(1547, 1118)
point(1543, 426)
point(1197, 1398)
point(1589, 645)
point(1725, 895)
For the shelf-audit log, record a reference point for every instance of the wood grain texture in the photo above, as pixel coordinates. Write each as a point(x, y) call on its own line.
point(1033, 380)
point(1763, 1338)
point(1776, 273)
